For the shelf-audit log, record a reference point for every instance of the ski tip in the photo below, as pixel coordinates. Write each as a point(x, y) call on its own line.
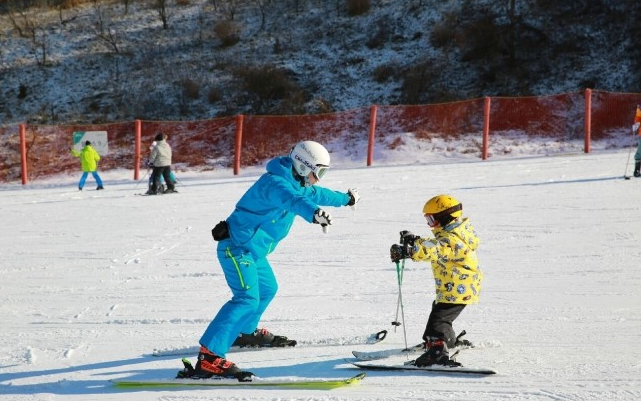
point(356, 378)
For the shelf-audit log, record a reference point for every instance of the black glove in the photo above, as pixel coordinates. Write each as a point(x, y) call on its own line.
point(354, 197)
point(407, 238)
point(398, 252)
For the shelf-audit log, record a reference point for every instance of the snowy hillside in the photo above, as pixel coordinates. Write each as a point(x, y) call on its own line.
point(109, 61)
point(92, 282)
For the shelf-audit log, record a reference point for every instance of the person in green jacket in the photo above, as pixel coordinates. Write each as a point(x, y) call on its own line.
point(89, 161)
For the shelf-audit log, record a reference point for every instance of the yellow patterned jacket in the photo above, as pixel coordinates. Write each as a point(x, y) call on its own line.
point(452, 252)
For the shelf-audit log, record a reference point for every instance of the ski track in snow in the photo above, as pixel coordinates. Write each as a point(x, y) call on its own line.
point(91, 285)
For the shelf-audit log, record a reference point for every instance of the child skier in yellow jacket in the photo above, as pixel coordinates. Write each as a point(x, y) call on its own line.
point(457, 277)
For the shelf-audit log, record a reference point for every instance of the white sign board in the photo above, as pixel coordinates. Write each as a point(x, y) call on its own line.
point(98, 141)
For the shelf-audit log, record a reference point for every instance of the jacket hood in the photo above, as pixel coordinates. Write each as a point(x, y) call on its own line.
point(281, 166)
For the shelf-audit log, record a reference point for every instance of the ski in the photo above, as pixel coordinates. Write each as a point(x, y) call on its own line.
point(410, 351)
point(146, 194)
point(386, 353)
point(411, 367)
point(413, 352)
point(369, 339)
point(186, 351)
point(283, 382)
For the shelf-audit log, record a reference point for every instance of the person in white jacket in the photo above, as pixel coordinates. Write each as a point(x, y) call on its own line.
point(161, 179)
point(160, 158)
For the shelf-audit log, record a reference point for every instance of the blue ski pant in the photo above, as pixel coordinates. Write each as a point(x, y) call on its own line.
point(83, 178)
point(253, 286)
point(637, 155)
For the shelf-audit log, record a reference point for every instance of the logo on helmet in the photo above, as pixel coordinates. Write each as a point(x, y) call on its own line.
point(305, 163)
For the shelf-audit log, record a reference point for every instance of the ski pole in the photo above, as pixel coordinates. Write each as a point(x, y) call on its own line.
point(399, 275)
point(179, 181)
point(399, 279)
point(142, 179)
point(635, 132)
point(625, 173)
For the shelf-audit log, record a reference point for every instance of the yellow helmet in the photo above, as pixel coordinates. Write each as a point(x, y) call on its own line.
point(442, 206)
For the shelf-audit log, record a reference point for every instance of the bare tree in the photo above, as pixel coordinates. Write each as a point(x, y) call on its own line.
point(31, 26)
point(104, 29)
point(126, 3)
point(161, 7)
point(20, 20)
point(231, 6)
point(262, 7)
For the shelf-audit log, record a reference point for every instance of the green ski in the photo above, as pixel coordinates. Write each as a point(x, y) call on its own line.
point(287, 382)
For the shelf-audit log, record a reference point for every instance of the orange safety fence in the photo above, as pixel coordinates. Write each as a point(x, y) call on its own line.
point(264, 137)
point(10, 158)
point(205, 144)
point(612, 112)
point(449, 121)
point(250, 140)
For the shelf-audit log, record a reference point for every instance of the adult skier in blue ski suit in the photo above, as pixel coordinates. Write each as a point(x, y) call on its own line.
point(261, 219)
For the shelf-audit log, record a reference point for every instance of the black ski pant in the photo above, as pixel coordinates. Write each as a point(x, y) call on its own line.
point(439, 324)
point(157, 172)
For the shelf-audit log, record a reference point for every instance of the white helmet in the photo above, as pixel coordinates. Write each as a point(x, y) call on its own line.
point(310, 157)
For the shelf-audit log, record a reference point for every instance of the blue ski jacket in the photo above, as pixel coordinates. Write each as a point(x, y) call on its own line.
point(265, 213)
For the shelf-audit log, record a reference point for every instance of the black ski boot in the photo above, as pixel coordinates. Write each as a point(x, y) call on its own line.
point(262, 338)
point(637, 169)
point(436, 354)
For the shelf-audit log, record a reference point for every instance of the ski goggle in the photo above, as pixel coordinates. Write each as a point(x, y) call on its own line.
point(320, 171)
point(431, 221)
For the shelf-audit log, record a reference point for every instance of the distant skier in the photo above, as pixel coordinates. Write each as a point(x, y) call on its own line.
point(262, 218)
point(637, 131)
point(457, 276)
point(89, 162)
point(161, 179)
point(160, 159)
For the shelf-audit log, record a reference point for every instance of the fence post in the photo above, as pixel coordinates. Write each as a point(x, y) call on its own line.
point(372, 130)
point(23, 153)
point(486, 127)
point(137, 141)
point(588, 120)
point(238, 142)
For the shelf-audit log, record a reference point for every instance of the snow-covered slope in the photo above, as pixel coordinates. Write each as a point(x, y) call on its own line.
point(92, 282)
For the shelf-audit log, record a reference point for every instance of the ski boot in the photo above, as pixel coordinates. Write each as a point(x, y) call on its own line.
point(637, 169)
point(436, 354)
point(262, 338)
point(210, 365)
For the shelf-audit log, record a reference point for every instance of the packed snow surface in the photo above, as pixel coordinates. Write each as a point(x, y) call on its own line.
point(92, 282)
